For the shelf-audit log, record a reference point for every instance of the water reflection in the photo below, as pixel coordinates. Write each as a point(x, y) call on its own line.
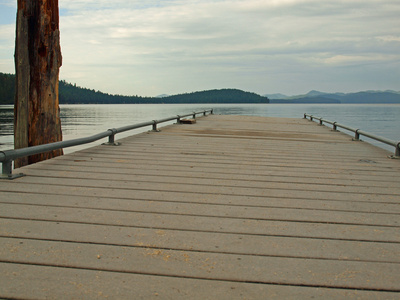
point(6, 127)
point(6, 120)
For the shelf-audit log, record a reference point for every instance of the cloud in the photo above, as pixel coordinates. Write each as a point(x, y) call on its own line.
point(8, 3)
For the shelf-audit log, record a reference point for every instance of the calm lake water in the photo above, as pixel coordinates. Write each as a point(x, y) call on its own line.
point(85, 120)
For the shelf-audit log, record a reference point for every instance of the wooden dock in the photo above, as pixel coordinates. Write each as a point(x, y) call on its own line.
point(232, 207)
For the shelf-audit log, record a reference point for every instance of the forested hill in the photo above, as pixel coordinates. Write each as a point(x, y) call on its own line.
point(217, 96)
point(72, 94)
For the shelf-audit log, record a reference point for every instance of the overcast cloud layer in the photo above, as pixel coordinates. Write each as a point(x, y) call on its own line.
point(265, 46)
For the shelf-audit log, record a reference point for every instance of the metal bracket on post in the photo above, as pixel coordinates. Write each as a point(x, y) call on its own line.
point(7, 171)
point(357, 135)
point(396, 152)
point(111, 138)
point(155, 126)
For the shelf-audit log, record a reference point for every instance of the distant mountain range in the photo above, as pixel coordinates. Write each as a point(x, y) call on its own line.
point(383, 97)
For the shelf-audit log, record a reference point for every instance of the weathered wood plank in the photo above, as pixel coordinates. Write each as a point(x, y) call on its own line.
point(210, 242)
point(360, 164)
point(68, 283)
point(249, 209)
point(198, 265)
point(77, 199)
point(209, 210)
point(139, 168)
point(249, 183)
point(203, 223)
point(286, 192)
point(272, 197)
point(262, 149)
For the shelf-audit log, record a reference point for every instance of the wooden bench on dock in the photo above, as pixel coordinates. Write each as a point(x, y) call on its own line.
point(232, 207)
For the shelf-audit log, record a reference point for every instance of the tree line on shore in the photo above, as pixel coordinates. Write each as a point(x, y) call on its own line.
point(73, 94)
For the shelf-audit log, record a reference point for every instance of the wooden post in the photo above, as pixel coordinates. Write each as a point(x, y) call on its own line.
point(37, 63)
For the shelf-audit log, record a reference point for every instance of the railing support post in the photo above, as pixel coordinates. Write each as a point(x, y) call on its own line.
point(334, 126)
point(178, 119)
point(155, 126)
point(320, 122)
point(111, 138)
point(6, 168)
point(357, 135)
point(6, 171)
point(194, 115)
point(397, 151)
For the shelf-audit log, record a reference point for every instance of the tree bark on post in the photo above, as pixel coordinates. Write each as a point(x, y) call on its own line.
point(37, 64)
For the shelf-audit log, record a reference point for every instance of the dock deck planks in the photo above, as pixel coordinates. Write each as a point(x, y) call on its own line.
point(232, 207)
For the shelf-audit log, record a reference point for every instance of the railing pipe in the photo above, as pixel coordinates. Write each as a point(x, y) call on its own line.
point(346, 127)
point(359, 132)
point(379, 138)
point(329, 122)
point(166, 120)
point(8, 156)
point(23, 152)
point(134, 126)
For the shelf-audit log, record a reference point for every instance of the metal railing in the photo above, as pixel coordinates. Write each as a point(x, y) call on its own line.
point(8, 156)
point(358, 133)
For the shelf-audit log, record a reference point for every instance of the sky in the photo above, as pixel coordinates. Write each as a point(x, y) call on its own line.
point(153, 47)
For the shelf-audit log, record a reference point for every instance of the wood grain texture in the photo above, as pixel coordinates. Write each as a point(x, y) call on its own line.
point(37, 64)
